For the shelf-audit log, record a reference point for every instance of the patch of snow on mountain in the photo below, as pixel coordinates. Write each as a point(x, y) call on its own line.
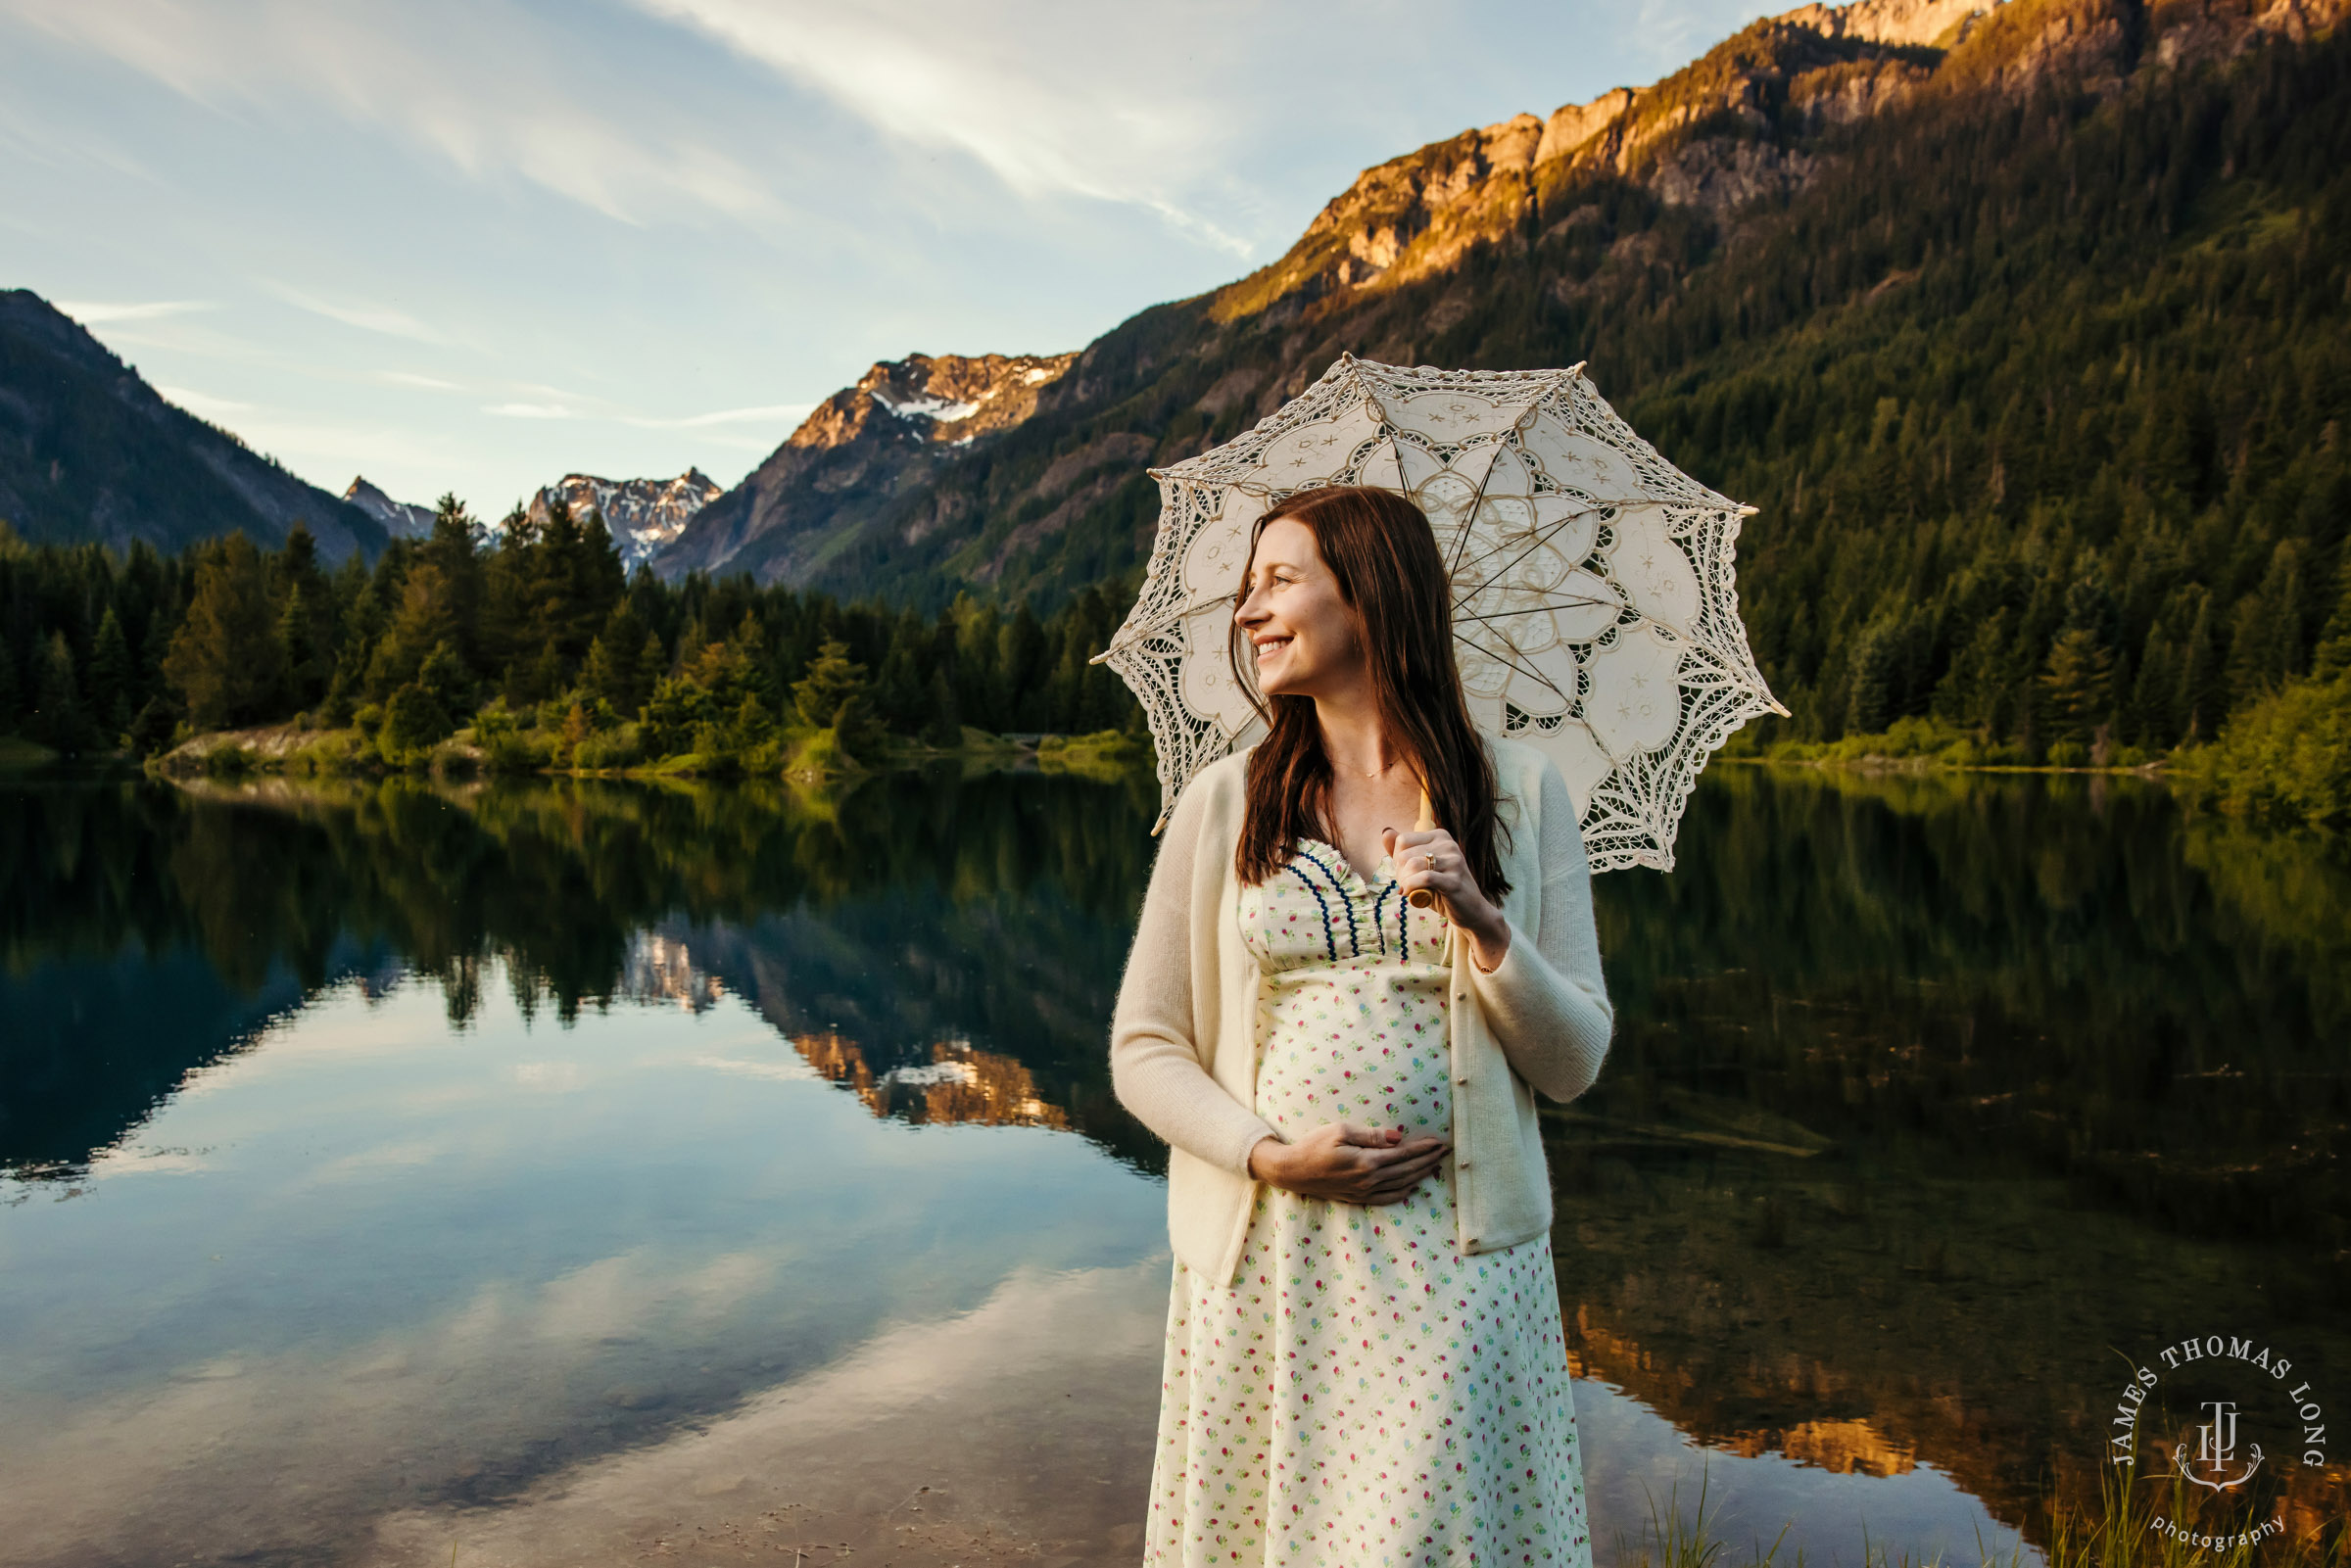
point(401, 519)
point(929, 407)
point(641, 514)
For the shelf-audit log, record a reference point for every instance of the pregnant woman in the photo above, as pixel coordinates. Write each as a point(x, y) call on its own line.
point(1365, 1361)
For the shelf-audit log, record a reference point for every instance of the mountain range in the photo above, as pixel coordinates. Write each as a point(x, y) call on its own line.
point(1645, 212)
point(641, 514)
point(2023, 326)
point(867, 453)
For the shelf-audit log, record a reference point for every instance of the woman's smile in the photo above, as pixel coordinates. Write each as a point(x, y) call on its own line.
point(1300, 627)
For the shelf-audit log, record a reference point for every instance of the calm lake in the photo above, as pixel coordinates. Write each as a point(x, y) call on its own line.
point(561, 1172)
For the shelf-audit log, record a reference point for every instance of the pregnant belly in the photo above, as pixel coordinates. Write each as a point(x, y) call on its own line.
point(1343, 1046)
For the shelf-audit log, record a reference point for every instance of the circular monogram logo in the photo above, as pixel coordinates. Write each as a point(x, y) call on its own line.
point(2227, 1419)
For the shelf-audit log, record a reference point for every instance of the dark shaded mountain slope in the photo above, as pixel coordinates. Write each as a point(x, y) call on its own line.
point(89, 450)
point(818, 499)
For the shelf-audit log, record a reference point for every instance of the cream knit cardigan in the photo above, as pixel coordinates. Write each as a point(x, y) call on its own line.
point(1183, 1043)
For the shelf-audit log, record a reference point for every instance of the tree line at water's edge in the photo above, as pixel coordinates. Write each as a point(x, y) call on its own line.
point(531, 644)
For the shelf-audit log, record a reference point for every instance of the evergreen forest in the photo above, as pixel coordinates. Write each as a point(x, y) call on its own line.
point(531, 638)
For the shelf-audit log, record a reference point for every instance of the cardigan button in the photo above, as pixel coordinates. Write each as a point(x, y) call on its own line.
point(1463, 1082)
point(1460, 1164)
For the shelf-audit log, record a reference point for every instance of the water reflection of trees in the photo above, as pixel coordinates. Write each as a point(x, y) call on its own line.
point(1934, 1097)
point(987, 909)
point(2004, 974)
point(1928, 1091)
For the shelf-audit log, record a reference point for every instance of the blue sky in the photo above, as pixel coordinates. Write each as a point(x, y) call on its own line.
point(474, 245)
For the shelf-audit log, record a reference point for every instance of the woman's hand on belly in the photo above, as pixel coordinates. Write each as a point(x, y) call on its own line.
point(1349, 1163)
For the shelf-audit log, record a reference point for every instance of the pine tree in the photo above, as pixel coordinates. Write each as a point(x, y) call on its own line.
point(444, 675)
point(597, 579)
point(2077, 687)
point(653, 663)
point(1021, 671)
point(307, 671)
point(2203, 695)
point(2333, 654)
point(224, 659)
point(58, 719)
point(150, 731)
point(613, 671)
point(451, 551)
point(831, 696)
point(1869, 700)
point(7, 688)
point(942, 724)
point(899, 691)
point(2151, 693)
point(414, 720)
point(112, 678)
point(2265, 644)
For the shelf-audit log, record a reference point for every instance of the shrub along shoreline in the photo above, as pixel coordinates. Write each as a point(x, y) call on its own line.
point(799, 752)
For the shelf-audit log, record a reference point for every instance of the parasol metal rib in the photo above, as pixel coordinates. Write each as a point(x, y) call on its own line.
point(1469, 513)
point(1533, 546)
point(1544, 609)
point(1127, 636)
point(1597, 506)
point(1531, 673)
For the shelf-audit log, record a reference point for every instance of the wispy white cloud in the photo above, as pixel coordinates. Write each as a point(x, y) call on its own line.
point(91, 312)
point(481, 84)
point(1049, 98)
point(204, 403)
point(773, 413)
point(410, 378)
point(756, 429)
point(367, 315)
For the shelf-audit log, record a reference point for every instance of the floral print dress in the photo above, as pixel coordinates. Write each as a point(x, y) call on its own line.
point(1362, 1394)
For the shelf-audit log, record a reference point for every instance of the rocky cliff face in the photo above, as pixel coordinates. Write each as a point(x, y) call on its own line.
point(642, 514)
point(1735, 126)
point(1701, 137)
point(89, 450)
point(401, 519)
point(813, 505)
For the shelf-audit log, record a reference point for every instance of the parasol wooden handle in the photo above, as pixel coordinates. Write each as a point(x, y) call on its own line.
point(1422, 897)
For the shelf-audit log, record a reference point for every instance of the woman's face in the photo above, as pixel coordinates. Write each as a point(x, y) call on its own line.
point(1303, 632)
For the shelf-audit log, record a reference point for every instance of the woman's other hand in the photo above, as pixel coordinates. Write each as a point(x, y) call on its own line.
point(1349, 1163)
point(1432, 860)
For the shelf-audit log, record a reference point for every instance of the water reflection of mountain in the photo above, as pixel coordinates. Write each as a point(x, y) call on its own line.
point(954, 1083)
point(959, 1084)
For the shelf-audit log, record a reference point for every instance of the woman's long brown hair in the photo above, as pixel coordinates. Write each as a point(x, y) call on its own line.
point(1380, 549)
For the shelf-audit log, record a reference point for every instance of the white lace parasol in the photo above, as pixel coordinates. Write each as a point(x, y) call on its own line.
point(1594, 613)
